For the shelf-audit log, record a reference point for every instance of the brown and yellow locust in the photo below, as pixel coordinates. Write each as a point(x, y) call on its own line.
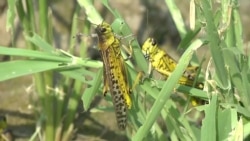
point(115, 73)
point(164, 64)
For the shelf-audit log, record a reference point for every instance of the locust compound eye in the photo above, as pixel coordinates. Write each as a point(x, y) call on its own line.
point(153, 42)
point(103, 30)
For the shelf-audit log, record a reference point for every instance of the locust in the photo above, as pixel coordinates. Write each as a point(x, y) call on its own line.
point(165, 64)
point(115, 74)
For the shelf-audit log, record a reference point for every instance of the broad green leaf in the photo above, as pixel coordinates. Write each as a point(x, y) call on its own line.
point(19, 68)
point(210, 120)
point(227, 120)
point(91, 91)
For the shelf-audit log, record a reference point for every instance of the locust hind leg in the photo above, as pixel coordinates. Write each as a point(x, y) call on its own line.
point(129, 50)
point(137, 80)
point(105, 84)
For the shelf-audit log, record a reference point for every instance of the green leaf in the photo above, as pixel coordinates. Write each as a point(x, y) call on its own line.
point(90, 10)
point(33, 54)
point(177, 17)
point(40, 42)
point(215, 45)
point(19, 68)
point(91, 91)
point(79, 74)
point(227, 120)
point(11, 14)
point(209, 122)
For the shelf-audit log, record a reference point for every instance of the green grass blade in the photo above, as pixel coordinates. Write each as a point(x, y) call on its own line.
point(40, 42)
point(215, 45)
point(227, 120)
point(114, 12)
point(246, 129)
point(19, 68)
point(32, 54)
point(237, 26)
point(90, 92)
point(185, 42)
point(239, 69)
point(79, 74)
point(93, 15)
point(11, 15)
point(209, 122)
point(177, 17)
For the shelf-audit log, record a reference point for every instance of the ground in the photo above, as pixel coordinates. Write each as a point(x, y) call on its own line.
point(16, 95)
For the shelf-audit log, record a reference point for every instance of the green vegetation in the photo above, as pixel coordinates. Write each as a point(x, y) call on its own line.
point(154, 115)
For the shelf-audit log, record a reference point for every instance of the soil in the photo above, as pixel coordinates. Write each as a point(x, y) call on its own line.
point(145, 19)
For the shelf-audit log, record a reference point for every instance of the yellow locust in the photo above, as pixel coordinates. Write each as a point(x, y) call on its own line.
point(115, 73)
point(165, 64)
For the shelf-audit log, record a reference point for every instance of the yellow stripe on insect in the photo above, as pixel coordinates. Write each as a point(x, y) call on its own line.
point(115, 73)
point(165, 64)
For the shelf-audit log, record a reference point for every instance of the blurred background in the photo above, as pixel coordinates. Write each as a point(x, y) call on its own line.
point(146, 18)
